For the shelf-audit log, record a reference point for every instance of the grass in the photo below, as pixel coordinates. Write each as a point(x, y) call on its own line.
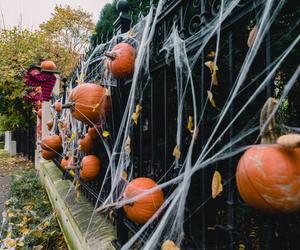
point(29, 221)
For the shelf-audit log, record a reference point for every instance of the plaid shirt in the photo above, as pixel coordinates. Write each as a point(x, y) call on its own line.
point(46, 81)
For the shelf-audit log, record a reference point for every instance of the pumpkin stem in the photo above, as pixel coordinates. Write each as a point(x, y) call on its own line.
point(268, 122)
point(111, 55)
point(67, 105)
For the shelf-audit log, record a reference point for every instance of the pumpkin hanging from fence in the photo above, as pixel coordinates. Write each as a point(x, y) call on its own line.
point(268, 178)
point(50, 124)
point(57, 106)
point(90, 102)
point(90, 167)
point(66, 162)
point(48, 65)
point(48, 155)
point(93, 132)
point(86, 144)
point(268, 175)
point(144, 208)
point(121, 60)
point(52, 143)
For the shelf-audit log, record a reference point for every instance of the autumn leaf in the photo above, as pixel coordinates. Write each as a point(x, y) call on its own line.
point(212, 66)
point(176, 152)
point(216, 185)
point(169, 245)
point(105, 134)
point(73, 136)
point(135, 117)
point(211, 54)
point(190, 124)
point(24, 230)
point(211, 99)
point(11, 214)
point(214, 79)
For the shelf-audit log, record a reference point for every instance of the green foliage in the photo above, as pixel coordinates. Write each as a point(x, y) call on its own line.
point(30, 220)
point(69, 27)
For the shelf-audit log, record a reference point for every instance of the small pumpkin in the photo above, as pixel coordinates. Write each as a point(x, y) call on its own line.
point(48, 65)
point(52, 143)
point(58, 107)
point(144, 208)
point(93, 132)
point(86, 143)
point(90, 167)
point(48, 155)
point(121, 60)
point(66, 162)
point(50, 124)
point(90, 103)
point(39, 113)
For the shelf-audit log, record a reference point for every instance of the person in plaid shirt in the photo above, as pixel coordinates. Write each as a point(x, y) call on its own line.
point(35, 78)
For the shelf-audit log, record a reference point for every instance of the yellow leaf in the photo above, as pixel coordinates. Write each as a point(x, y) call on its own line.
point(28, 207)
point(73, 136)
point(216, 185)
point(23, 230)
point(20, 243)
point(10, 243)
point(211, 98)
point(190, 124)
point(138, 108)
point(72, 173)
point(124, 175)
point(211, 54)
point(135, 117)
point(46, 224)
point(242, 247)
point(38, 233)
point(211, 65)
point(105, 134)
point(127, 146)
point(11, 214)
point(176, 152)
point(214, 79)
point(169, 245)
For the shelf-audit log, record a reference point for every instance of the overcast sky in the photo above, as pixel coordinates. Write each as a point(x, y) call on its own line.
point(34, 12)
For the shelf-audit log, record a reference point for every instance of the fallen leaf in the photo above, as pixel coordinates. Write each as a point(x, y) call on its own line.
point(176, 152)
point(211, 99)
point(105, 134)
point(24, 230)
point(216, 185)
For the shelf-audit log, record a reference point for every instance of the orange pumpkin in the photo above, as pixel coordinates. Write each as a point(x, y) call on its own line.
point(48, 65)
point(86, 144)
point(39, 113)
point(52, 142)
point(268, 178)
point(50, 124)
point(58, 107)
point(48, 155)
point(93, 132)
point(144, 208)
point(90, 102)
point(65, 162)
point(121, 60)
point(90, 167)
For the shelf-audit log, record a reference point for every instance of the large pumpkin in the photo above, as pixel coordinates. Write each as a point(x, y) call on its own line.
point(144, 208)
point(52, 142)
point(48, 65)
point(268, 178)
point(86, 144)
point(48, 155)
point(90, 102)
point(90, 167)
point(121, 60)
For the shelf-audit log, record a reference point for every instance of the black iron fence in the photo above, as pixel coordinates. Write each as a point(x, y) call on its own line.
point(224, 223)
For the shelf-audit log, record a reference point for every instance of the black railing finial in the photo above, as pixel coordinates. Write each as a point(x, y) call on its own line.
point(122, 24)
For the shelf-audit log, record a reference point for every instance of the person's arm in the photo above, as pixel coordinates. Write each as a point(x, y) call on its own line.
point(30, 80)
